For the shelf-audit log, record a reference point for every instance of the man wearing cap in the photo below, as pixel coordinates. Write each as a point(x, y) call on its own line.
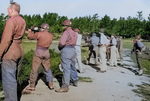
point(141, 51)
point(11, 51)
point(41, 56)
point(68, 41)
point(78, 51)
point(103, 42)
point(94, 41)
point(113, 56)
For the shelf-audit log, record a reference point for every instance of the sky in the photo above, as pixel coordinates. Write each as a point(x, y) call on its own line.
point(81, 8)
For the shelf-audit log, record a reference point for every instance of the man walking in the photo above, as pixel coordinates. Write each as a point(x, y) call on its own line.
point(41, 56)
point(11, 51)
point(68, 42)
point(94, 41)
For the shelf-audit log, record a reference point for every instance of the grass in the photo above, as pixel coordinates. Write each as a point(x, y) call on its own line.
point(143, 91)
point(85, 79)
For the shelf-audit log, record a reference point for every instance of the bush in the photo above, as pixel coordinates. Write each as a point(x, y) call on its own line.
point(24, 73)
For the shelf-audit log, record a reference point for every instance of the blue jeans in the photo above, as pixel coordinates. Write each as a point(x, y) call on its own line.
point(9, 68)
point(68, 64)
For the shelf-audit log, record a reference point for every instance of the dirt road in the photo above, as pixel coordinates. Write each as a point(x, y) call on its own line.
point(114, 85)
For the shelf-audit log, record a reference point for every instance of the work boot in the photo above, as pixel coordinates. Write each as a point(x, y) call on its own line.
point(62, 89)
point(50, 85)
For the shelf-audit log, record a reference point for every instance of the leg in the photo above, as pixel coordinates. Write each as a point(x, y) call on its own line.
point(73, 74)
point(103, 65)
point(34, 72)
point(78, 59)
point(9, 80)
point(48, 73)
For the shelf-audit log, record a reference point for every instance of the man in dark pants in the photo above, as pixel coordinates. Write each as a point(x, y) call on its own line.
point(11, 51)
point(141, 51)
point(68, 41)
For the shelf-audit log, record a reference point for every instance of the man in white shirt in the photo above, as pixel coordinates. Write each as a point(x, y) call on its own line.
point(103, 42)
point(113, 56)
point(78, 63)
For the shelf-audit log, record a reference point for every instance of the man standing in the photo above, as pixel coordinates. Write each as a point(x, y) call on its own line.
point(120, 48)
point(113, 56)
point(94, 41)
point(78, 51)
point(68, 41)
point(141, 51)
point(11, 51)
point(103, 43)
point(41, 56)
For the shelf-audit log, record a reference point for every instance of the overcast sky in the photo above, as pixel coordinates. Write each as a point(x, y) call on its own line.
point(80, 8)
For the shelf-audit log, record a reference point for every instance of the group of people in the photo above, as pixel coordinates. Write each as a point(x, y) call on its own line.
point(107, 49)
point(11, 53)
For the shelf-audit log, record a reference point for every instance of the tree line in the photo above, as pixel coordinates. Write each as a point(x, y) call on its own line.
point(125, 27)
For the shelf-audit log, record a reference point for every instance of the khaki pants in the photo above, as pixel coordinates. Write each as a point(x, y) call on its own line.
point(96, 51)
point(36, 63)
point(103, 65)
point(113, 56)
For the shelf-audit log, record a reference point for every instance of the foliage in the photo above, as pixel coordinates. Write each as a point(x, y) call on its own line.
point(27, 65)
point(143, 91)
point(125, 27)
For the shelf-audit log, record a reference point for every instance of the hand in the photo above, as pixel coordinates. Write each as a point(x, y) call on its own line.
point(29, 30)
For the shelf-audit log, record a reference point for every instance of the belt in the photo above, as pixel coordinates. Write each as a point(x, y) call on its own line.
point(69, 46)
point(19, 41)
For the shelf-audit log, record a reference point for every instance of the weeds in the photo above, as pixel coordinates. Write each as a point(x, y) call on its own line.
point(143, 91)
point(85, 79)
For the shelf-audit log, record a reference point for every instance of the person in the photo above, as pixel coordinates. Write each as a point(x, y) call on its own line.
point(11, 51)
point(78, 51)
point(94, 48)
point(141, 52)
point(67, 42)
point(120, 48)
point(103, 43)
point(113, 56)
point(41, 56)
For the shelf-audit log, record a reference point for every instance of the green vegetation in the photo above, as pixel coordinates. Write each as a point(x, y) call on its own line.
point(125, 27)
point(143, 91)
point(85, 79)
point(27, 65)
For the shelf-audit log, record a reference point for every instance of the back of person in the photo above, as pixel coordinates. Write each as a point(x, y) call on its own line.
point(95, 40)
point(72, 37)
point(44, 39)
point(15, 50)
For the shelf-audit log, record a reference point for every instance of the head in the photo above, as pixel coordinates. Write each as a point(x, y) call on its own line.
point(94, 34)
point(138, 37)
point(101, 30)
point(44, 27)
point(112, 36)
point(77, 30)
point(67, 24)
point(13, 9)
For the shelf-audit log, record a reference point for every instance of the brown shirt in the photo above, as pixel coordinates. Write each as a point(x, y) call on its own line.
point(44, 39)
point(10, 46)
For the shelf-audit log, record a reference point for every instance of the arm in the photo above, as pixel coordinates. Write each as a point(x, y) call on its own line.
point(7, 37)
point(32, 36)
point(63, 39)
